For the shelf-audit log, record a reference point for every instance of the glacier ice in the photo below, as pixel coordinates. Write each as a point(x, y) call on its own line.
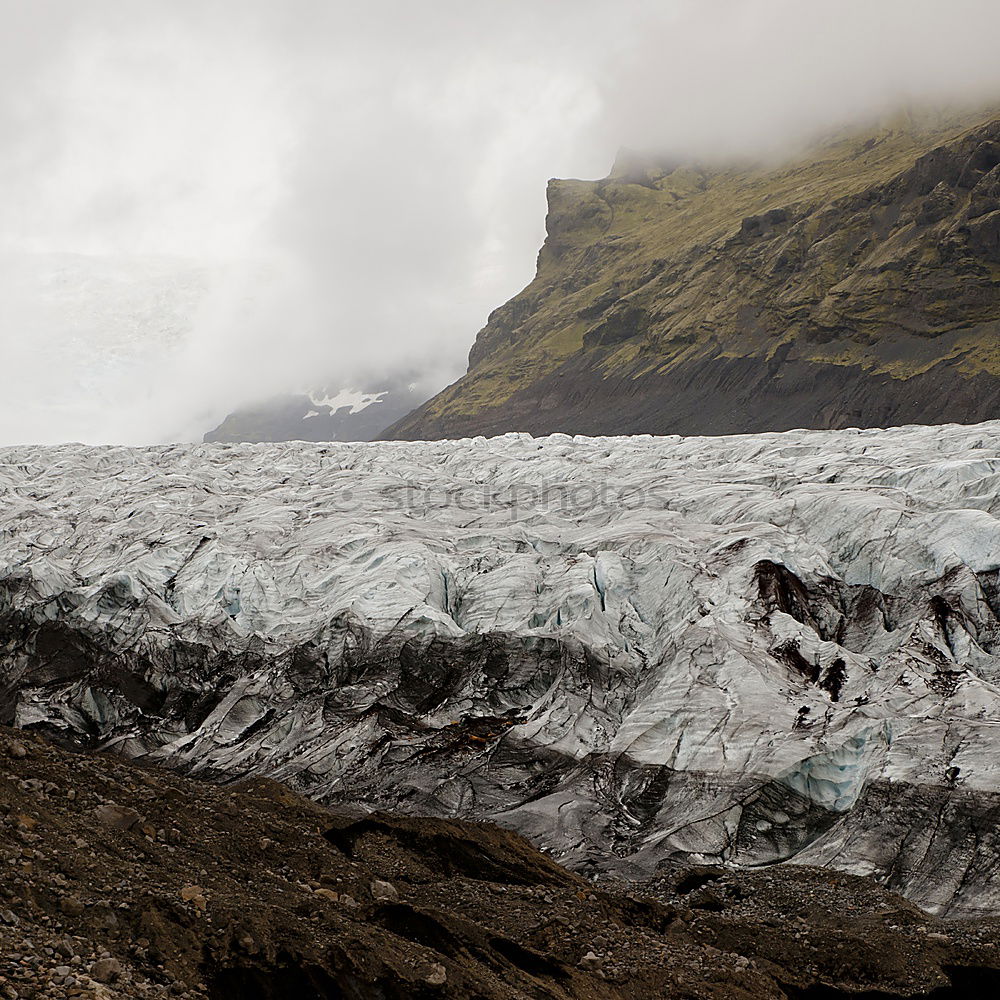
point(835, 779)
point(748, 649)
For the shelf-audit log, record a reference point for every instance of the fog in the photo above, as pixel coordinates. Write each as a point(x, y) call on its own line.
point(207, 203)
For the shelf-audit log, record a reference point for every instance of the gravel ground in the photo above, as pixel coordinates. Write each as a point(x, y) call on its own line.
point(120, 881)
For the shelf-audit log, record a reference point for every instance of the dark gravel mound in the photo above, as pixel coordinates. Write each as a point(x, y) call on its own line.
point(119, 881)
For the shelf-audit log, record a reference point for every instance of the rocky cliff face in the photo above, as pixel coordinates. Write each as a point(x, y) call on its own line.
point(742, 650)
point(858, 286)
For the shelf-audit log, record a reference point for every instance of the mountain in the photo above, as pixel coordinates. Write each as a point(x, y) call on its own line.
point(325, 414)
point(856, 286)
point(636, 651)
point(147, 884)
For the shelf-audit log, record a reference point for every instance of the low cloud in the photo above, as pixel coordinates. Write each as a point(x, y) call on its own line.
point(209, 203)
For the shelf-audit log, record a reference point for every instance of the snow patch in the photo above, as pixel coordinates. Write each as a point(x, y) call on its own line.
point(353, 398)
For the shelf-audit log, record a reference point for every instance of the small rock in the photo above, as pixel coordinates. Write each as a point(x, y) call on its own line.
point(194, 894)
point(17, 750)
point(384, 891)
point(327, 894)
point(106, 970)
point(438, 975)
point(71, 906)
point(117, 817)
point(591, 962)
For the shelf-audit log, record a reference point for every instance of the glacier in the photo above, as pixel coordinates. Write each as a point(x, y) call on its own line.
point(741, 650)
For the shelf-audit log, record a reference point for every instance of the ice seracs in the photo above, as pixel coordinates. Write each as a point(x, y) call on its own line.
point(745, 649)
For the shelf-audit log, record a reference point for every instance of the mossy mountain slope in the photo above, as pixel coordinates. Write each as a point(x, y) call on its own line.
point(859, 285)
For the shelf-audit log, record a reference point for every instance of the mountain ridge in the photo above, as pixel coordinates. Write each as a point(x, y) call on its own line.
point(860, 285)
point(331, 413)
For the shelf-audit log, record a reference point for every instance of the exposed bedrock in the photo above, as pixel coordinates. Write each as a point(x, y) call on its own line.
point(725, 395)
point(741, 650)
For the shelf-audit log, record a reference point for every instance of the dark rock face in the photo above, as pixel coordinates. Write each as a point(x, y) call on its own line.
point(727, 396)
point(858, 287)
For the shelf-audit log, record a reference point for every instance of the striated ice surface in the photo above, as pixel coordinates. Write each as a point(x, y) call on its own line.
point(745, 650)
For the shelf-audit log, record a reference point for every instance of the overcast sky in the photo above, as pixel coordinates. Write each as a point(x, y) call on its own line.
point(275, 193)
